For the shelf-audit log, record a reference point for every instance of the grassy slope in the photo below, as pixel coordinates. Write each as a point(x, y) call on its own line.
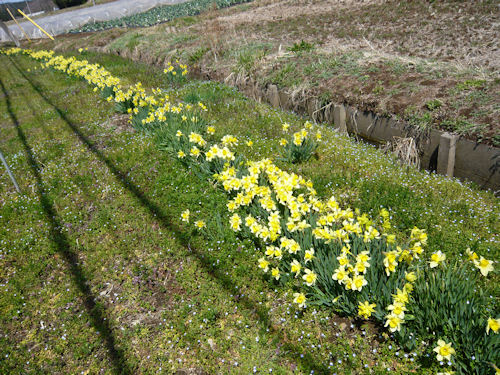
point(386, 57)
point(99, 276)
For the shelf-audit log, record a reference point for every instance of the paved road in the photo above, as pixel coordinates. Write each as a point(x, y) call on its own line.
point(61, 23)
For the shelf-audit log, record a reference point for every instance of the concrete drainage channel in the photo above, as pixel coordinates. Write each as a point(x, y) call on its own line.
point(442, 152)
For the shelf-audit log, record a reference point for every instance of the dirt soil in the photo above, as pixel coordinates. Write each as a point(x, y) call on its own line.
point(464, 32)
point(432, 63)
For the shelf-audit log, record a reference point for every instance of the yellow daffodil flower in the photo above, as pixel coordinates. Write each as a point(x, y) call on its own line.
point(309, 255)
point(401, 296)
point(235, 222)
point(365, 309)
point(393, 322)
point(443, 350)
point(295, 267)
point(340, 275)
point(410, 276)
point(185, 216)
point(309, 277)
point(484, 265)
point(358, 282)
point(493, 324)
point(300, 299)
point(275, 272)
point(437, 259)
point(398, 309)
point(200, 224)
point(264, 264)
point(471, 254)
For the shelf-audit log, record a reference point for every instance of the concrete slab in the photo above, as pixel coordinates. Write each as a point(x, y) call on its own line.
point(478, 162)
point(446, 154)
point(273, 96)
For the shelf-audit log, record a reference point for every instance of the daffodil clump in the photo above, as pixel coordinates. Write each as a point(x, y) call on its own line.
point(327, 250)
point(326, 253)
point(302, 145)
point(341, 258)
point(176, 72)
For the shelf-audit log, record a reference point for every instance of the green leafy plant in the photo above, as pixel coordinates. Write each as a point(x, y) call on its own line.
point(447, 303)
point(197, 55)
point(470, 83)
point(301, 47)
point(301, 147)
point(160, 14)
point(433, 104)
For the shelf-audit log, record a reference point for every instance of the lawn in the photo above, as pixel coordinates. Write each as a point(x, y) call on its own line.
point(99, 272)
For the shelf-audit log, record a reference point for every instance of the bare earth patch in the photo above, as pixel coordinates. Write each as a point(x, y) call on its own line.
point(463, 32)
point(118, 123)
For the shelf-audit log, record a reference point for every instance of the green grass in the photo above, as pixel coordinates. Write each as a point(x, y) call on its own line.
point(366, 178)
point(97, 272)
point(99, 223)
point(246, 57)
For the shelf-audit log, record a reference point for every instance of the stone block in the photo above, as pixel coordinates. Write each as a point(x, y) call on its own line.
point(285, 100)
point(383, 129)
point(339, 118)
point(430, 150)
point(328, 113)
point(446, 154)
point(363, 123)
point(273, 96)
point(311, 106)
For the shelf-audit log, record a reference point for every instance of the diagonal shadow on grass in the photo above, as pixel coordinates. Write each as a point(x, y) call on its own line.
point(259, 313)
point(63, 246)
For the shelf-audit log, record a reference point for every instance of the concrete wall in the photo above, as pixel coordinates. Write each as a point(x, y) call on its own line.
point(442, 152)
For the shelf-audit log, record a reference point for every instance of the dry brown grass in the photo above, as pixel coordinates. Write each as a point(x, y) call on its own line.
point(405, 149)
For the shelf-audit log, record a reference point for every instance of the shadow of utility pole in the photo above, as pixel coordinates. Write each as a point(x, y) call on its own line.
point(62, 244)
